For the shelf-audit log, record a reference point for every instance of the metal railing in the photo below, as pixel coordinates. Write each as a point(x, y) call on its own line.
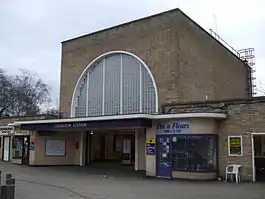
point(223, 42)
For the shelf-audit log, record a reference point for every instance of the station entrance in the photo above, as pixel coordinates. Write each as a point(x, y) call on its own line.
point(111, 148)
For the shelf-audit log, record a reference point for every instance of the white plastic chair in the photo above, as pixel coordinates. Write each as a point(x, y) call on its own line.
point(233, 169)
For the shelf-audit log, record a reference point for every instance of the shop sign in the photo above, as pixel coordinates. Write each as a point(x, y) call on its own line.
point(235, 146)
point(32, 143)
point(22, 133)
point(174, 127)
point(6, 130)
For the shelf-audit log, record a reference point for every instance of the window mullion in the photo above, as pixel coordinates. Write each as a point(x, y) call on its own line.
point(103, 86)
point(87, 86)
point(141, 89)
point(121, 86)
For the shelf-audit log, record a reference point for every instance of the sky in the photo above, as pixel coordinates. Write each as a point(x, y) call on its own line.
point(31, 31)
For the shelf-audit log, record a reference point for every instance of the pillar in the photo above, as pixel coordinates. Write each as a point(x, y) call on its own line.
point(82, 148)
point(136, 163)
point(150, 159)
point(140, 150)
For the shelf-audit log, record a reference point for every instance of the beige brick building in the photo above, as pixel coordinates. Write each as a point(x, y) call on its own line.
point(159, 94)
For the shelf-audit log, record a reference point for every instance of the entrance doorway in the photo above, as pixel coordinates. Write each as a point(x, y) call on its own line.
point(6, 148)
point(20, 149)
point(259, 157)
point(111, 148)
point(164, 165)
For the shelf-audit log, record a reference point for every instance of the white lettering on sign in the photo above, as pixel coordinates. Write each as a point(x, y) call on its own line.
point(74, 125)
point(174, 127)
point(6, 130)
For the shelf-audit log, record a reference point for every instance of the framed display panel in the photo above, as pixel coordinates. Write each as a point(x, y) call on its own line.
point(235, 145)
point(55, 147)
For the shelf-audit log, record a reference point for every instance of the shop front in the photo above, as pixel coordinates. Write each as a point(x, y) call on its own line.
point(21, 147)
point(184, 148)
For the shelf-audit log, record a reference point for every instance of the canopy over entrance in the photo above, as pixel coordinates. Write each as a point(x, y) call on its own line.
point(116, 121)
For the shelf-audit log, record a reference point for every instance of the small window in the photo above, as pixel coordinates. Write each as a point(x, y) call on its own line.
point(235, 146)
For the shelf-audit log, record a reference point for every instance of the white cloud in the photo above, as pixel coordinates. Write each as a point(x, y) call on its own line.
point(31, 31)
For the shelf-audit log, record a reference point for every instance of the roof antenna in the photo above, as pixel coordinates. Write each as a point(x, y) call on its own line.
point(215, 22)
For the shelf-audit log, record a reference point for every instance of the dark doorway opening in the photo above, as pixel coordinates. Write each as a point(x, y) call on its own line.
point(102, 148)
point(20, 149)
point(110, 148)
point(259, 152)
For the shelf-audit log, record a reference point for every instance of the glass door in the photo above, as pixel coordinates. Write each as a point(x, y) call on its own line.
point(164, 164)
point(17, 148)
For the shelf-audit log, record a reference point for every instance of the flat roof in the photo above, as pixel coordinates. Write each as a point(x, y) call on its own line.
point(124, 117)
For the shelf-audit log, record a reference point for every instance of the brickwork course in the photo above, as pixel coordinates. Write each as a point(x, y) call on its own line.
point(187, 63)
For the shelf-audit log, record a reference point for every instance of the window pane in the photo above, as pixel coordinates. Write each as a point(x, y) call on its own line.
point(17, 147)
point(148, 92)
point(112, 85)
point(95, 93)
point(201, 153)
point(194, 153)
point(131, 85)
point(179, 152)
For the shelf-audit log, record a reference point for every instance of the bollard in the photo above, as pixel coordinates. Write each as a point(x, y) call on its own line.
point(4, 189)
point(8, 176)
point(10, 188)
point(10, 181)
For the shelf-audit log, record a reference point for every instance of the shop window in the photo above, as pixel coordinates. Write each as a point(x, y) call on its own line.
point(17, 147)
point(235, 146)
point(194, 153)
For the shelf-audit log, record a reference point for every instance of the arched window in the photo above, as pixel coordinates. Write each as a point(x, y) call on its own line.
point(113, 84)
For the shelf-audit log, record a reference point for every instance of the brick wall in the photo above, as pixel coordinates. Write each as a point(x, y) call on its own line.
point(186, 62)
point(242, 120)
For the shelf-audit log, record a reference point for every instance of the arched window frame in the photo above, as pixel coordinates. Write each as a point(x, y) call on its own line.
point(76, 90)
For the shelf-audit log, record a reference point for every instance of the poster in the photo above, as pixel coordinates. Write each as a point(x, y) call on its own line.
point(150, 146)
point(55, 148)
point(32, 146)
point(235, 145)
point(127, 146)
